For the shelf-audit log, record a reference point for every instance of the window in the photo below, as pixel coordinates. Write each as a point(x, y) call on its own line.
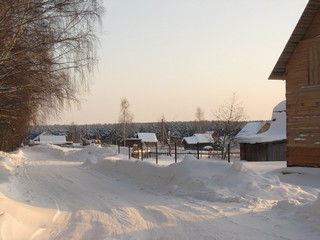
point(314, 65)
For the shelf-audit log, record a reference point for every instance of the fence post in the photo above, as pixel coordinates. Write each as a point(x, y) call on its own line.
point(147, 155)
point(228, 152)
point(156, 153)
point(141, 151)
point(129, 152)
point(175, 152)
point(198, 150)
point(119, 147)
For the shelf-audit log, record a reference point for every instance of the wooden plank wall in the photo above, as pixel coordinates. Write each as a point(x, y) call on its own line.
point(274, 151)
point(303, 102)
point(306, 156)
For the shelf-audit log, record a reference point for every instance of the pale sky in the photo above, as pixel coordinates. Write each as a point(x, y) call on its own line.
point(168, 57)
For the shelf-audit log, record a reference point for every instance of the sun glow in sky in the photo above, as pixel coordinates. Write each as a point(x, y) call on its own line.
point(168, 57)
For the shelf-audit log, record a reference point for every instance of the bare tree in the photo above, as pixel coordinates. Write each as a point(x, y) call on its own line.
point(47, 51)
point(125, 118)
point(200, 120)
point(230, 117)
point(74, 133)
point(164, 134)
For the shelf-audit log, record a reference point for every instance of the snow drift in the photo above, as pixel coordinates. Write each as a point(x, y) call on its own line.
point(50, 192)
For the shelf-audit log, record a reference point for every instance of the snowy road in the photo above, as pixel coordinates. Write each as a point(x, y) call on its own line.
point(94, 204)
point(97, 206)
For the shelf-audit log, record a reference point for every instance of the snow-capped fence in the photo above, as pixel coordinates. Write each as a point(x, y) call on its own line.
point(172, 150)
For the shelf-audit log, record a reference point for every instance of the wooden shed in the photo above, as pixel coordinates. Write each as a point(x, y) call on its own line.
point(200, 140)
point(148, 139)
point(256, 144)
point(130, 142)
point(299, 65)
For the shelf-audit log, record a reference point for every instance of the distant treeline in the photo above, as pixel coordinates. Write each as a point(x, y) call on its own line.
point(110, 133)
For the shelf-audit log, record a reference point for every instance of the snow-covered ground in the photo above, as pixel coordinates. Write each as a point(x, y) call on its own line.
point(48, 192)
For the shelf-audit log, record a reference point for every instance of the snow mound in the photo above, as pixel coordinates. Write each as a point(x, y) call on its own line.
point(92, 190)
point(15, 156)
point(8, 163)
point(304, 213)
point(207, 180)
point(92, 153)
point(54, 150)
point(310, 214)
point(13, 214)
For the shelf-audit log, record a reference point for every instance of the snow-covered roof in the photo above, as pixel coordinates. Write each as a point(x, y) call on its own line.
point(250, 129)
point(277, 130)
point(147, 137)
point(48, 137)
point(199, 138)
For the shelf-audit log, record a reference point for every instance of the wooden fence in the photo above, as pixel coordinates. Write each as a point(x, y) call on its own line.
point(143, 152)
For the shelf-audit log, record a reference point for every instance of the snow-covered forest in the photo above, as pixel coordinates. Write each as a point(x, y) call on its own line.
point(109, 133)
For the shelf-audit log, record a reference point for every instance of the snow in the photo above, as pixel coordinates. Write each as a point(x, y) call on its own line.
point(199, 138)
point(277, 130)
point(148, 137)
point(249, 129)
point(47, 137)
point(50, 192)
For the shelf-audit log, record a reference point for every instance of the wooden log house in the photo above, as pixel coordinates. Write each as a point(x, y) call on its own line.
point(299, 65)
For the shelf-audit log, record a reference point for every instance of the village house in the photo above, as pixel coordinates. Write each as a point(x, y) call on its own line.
point(299, 65)
point(200, 140)
point(141, 143)
point(147, 139)
point(48, 137)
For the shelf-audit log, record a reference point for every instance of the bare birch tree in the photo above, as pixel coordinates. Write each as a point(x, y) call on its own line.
point(164, 134)
point(230, 117)
point(47, 51)
point(75, 134)
point(200, 120)
point(125, 118)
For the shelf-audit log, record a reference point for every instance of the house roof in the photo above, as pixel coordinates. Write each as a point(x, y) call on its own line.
point(44, 133)
point(279, 70)
point(199, 138)
point(277, 130)
point(49, 137)
point(148, 137)
point(250, 129)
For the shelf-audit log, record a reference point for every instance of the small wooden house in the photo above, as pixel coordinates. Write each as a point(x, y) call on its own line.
point(258, 142)
point(130, 142)
point(198, 140)
point(148, 139)
point(299, 65)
